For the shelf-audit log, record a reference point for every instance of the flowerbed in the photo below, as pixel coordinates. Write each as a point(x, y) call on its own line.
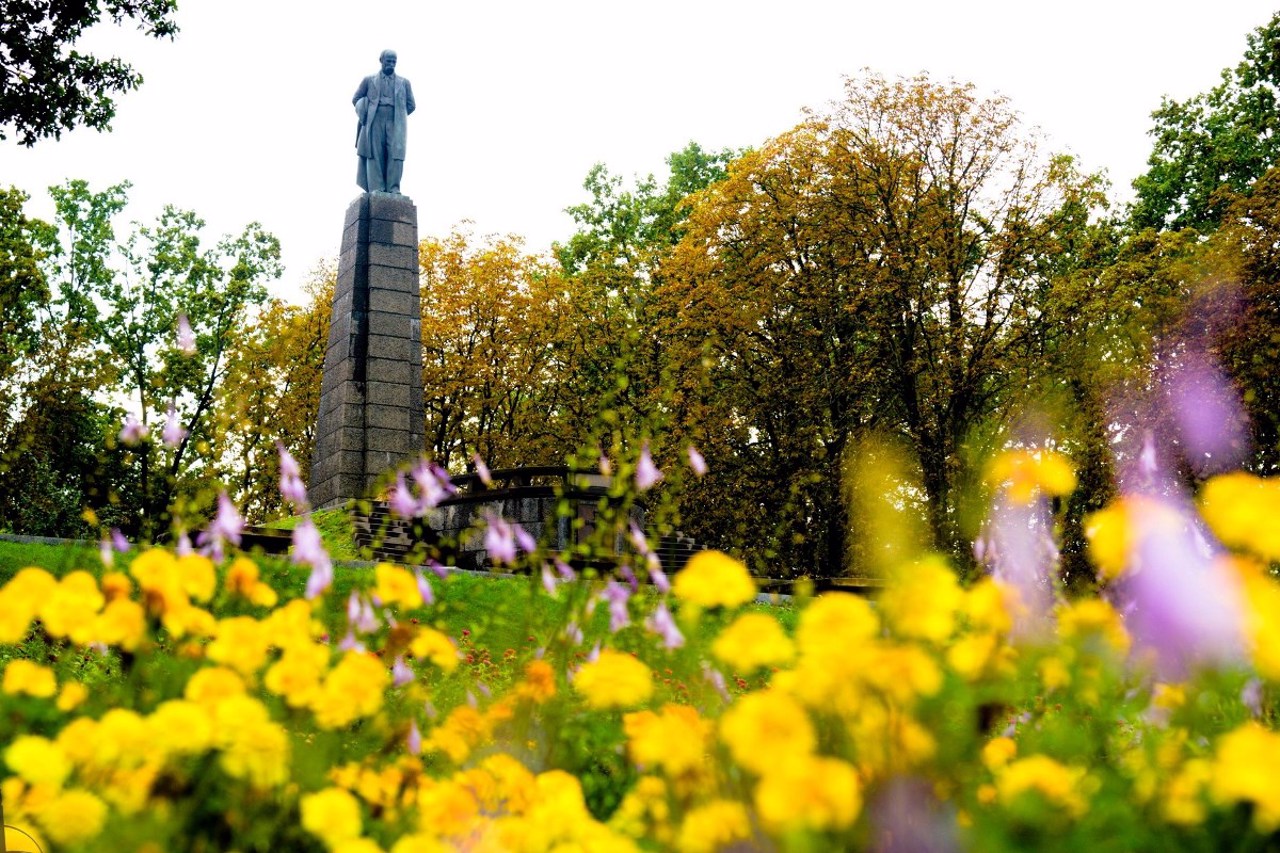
point(180, 701)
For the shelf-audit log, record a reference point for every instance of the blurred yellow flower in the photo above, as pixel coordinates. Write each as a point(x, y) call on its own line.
point(240, 642)
point(539, 683)
point(332, 815)
point(1184, 797)
point(762, 726)
point(20, 600)
point(196, 575)
point(72, 817)
point(998, 752)
point(1085, 618)
point(73, 693)
point(614, 680)
point(37, 760)
point(1242, 510)
point(213, 683)
point(122, 623)
point(836, 622)
point(434, 646)
point(396, 586)
point(714, 579)
point(181, 727)
point(674, 740)
point(71, 606)
point(753, 640)
point(1028, 473)
point(713, 826)
point(1058, 784)
point(922, 599)
point(23, 676)
point(1243, 770)
point(803, 791)
point(352, 689)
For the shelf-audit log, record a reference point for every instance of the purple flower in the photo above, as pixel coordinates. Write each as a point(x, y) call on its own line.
point(308, 550)
point(525, 539)
point(183, 548)
point(657, 576)
point(625, 572)
point(499, 539)
point(173, 432)
point(617, 595)
point(1178, 601)
point(664, 626)
point(565, 572)
point(647, 474)
point(548, 580)
point(482, 470)
point(186, 337)
point(716, 679)
point(1017, 545)
point(292, 489)
point(134, 432)
point(434, 483)
point(107, 556)
point(349, 643)
point(118, 542)
point(638, 540)
point(400, 673)
point(402, 501)
point(696, 462)
point(227, 525)
point(437, 569)
point(353, 606)
point(366, 621)
point(414, 741)
point(605, 465)
point(573, 633)
point(424, 587)
point(1208, 413)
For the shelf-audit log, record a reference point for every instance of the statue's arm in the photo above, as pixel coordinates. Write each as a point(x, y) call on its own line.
point(408, 97)
point(361, 91)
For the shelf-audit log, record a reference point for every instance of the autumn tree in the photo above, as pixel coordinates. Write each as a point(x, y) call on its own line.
point(1214, 145)
point(490, 315)
point(882, 266)
point(46, 85)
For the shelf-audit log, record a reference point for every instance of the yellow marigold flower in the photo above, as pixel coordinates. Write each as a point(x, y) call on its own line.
point(189, 620)
point(293, 625)
point(1184, 798)
point(352, 689)
point(902, 672)
point(394, 585)
point(645, 810)
point(299, 674)
point(20, 600)
point(24, 676)
point(1242, 510)
point(212, 684)
point(714, 826)
point(1169, 697)
point(419, 842)
point(763, 725)
point(463, 730)
point(998, 752)
point(986, 604)
point(446, 808)
point(197, 576)
point(1110, 539)
point(1087, 617)
point(970, 655)
point(803, 791)
point(332, 815)
point(122, 623)
point(1056, 783)
point(1262, 619)
point(539, 683)
point(674, 740)
point(515, 784)
point(253, 748)
point(72, 817)
point(1027, 473)
point(888, 741)
point(70, 608)
point(714, 579)
point(753, 640)
point(240, 642)
point(242, 581)
point(37, 760)
point(116, 585)
point(836, 622)
point(156, 571)
point(73, 693)
point(434, 646)
point(1054, 673)
point(1244, 771)
point(922, 599)
point(181, 727)
point(614, 680)
point(122, 740)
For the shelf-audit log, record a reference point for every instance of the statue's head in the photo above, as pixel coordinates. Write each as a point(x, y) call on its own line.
point(388, 60)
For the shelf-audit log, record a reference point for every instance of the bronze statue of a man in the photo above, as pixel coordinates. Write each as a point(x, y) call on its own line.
point(383, 103)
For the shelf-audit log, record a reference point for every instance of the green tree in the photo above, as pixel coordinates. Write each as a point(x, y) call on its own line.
point(46, 85)
point(1214, 144)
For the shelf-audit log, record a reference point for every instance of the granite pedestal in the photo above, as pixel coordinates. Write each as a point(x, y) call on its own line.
point(371, 406)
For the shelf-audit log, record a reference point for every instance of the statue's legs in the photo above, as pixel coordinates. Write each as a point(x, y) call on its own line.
point(395, 168)
point(378, 166)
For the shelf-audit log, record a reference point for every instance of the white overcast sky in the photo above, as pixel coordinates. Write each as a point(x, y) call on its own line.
point(247, 115)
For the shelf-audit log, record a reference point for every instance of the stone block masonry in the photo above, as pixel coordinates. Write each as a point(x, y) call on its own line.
point(371, 409)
